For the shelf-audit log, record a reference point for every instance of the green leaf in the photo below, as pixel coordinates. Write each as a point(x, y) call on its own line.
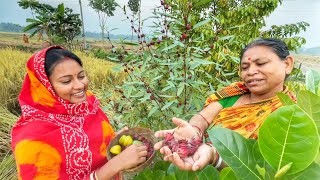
point(311, 173)
point(201, 23)
point(281, 172)
point(227, 174)
point(180, 174)
point(180, 89)
point(261, 171)
point(236, 151)
point(153, 110)
point(310, 103)
point(289, 135)
point(312, 80)
point(161, 165)
point(168, 104)
point(208, 173)
point(285, 99)
point(177, 43)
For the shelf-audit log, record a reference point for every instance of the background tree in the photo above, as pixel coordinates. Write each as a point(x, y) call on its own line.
point(192, 52)
point(105, 9)
point(135, 7)
point(60, 24)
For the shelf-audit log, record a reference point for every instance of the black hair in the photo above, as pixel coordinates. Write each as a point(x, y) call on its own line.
point(54, 56)
point(276, 45)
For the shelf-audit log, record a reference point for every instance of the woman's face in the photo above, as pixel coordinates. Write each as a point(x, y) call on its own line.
point(263, 72)
point(69, 81)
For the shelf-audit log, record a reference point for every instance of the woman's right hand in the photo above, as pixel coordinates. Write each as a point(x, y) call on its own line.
point(184, 130)
point(132, 156)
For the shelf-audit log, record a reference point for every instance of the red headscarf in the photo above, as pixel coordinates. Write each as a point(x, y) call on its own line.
point(55, 139)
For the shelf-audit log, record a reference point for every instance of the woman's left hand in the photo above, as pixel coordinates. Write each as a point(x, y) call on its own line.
point(122, 129)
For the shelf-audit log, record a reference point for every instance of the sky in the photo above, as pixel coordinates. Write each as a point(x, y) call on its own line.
point(290, 11)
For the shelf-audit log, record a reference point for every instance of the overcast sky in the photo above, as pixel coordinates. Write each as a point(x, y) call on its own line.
point(290, 11)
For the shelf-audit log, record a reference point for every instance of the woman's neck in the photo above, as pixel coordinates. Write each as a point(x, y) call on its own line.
point(259, 97)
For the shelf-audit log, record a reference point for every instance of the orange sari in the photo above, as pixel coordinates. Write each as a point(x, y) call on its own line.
point(244, 119)
point(54, 139)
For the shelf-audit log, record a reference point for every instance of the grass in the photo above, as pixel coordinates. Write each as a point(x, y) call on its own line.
point(7, 163)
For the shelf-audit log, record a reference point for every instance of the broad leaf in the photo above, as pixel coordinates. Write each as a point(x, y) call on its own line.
point(310, 103)
point(227, 174)
point(208, 173)
point(289, 135)
point(311, 173)
point(312, 80)
point(285, 99)
point(236, 151)
point(184, 175)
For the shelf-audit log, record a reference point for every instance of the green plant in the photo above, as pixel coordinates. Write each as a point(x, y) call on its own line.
point(189, 55)
point(60, 24)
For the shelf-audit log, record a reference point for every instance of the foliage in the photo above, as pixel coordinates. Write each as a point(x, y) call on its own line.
point(134, 5)
point(104, 8)
point(286, 149)
point(163, 170)
point(192, 52)
point(60, 24)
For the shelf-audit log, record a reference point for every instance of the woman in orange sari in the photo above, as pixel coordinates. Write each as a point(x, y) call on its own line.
point(62, 132)
point(242, 106)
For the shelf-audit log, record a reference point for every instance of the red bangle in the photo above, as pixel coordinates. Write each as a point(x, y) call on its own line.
point(208, 124)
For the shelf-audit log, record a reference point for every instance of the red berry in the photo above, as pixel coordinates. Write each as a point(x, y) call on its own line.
point(188, 27)
point(152, 97)
point(184, 36)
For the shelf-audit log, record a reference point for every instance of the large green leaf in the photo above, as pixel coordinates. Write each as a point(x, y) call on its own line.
point(208, 173)
point(285, 99)
point(312, 80)
point(227, 174)
point(310, 103)
point(236, 151)
point(311, 173)
point(183, 175)
point(289, 135)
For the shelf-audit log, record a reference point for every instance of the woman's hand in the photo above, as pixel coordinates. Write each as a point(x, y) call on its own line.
point(184, 130)
point(122, 129)
point(200, 159)
point(132, 156)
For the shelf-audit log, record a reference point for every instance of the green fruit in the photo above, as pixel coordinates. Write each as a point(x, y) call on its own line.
point(137, 142)
point(116, 149)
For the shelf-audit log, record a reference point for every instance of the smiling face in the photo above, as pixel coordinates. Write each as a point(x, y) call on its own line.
point(69, 81)
point(263, 72)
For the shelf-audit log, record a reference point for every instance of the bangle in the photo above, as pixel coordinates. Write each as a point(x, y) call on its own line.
point(208, 124)
point(95, 175)
point(219, 162)
point(214, 153)
point(92, 176)
point(198, 130)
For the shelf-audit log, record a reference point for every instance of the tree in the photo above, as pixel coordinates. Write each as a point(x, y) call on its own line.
point(59, 24)
point(105, 9)
point(192, 52)
point(134, 6)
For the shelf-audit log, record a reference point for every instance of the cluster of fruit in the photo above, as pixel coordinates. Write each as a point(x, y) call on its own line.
point(127, 140)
